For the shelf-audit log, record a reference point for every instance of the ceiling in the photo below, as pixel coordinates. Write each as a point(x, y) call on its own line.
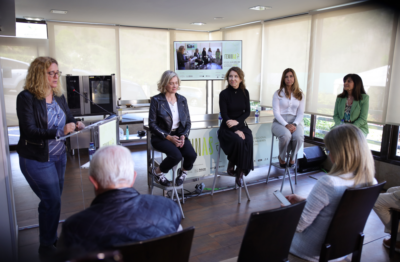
point(167, 13)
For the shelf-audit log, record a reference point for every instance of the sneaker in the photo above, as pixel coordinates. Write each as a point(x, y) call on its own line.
point(181, 177)
point(386, 243)
point(161, 179)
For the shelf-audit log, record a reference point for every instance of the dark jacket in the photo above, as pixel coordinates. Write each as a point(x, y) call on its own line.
point(32, 116)
point(181, 59)
point(120, 216)
point(160, 116)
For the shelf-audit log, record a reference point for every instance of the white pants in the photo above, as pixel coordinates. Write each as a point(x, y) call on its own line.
point(385, 201)
point(287, 141)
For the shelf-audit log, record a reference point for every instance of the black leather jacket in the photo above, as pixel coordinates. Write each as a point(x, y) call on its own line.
point(34, 135)
point(160, 116)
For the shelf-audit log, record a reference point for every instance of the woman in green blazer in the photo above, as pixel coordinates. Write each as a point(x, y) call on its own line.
point(352, 104)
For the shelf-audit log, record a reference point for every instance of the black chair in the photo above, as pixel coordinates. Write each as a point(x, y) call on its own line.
point(395, 217)
point(269, 234)
point(173, 247)
point(345, 233)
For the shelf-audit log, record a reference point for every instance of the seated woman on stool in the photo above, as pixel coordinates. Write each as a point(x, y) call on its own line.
point(234, 136)
point(353, 166)
point(169, 123)
point(351, 106)
point(288, 108)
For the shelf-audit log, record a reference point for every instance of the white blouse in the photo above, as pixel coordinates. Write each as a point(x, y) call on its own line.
point(175, 115)
point(281, 105)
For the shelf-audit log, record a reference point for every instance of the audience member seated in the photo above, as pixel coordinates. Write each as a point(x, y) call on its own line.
point(353, 166)
point(390, 199)
point(118, 214)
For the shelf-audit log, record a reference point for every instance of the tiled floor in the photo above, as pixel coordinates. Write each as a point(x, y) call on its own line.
point(219, 221)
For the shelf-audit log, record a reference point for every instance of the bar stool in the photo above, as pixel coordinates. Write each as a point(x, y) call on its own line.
point(172, 188)
point(287, 169)
point(226, 174)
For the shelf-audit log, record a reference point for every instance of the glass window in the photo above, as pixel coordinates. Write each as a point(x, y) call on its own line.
point(398, 144)
point(323, 126)
point(307, 122)
point(254, 105)
point(374, 137)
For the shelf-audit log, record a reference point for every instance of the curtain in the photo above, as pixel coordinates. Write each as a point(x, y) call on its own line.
point(352, 40)
point(286, 45)
point(251, 36)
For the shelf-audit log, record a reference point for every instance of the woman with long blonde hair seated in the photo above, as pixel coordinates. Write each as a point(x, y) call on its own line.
point(353, 166)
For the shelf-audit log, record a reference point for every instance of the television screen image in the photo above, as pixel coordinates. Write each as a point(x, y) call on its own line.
point(206, 60)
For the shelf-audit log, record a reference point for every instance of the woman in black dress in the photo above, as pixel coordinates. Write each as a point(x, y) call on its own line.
point(235, 137)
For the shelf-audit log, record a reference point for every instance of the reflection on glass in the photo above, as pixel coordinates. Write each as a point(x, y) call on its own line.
point(374, 137)
point(307, 121)
point(100, 92)
point(323, 126)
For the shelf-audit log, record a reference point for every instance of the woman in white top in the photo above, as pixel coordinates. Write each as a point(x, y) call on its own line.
point(288, 108)
point(169, 123)
point(209, 53)
point(353, 166)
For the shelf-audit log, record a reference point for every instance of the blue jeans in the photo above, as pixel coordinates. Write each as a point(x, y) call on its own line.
point(47, 180)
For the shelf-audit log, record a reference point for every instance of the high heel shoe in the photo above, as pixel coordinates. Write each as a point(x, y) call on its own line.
point(280, 164)
point(239, 177)
point(231, 169)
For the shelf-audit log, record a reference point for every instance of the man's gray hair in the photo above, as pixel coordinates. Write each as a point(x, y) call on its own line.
point(112, 166)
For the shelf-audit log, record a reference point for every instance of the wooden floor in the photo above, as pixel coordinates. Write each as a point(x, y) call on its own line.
point(219, 220)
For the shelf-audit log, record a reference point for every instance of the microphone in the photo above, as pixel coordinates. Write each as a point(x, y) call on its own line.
point(112, 115)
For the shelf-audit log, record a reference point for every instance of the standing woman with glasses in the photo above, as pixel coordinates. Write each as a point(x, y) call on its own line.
point(288, 108)
point(235, 138)
point(43, 114)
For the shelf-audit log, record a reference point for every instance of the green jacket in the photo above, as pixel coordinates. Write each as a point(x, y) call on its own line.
point(358, 113)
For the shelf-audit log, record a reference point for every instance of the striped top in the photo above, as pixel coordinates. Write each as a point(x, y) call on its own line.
point(56, 120)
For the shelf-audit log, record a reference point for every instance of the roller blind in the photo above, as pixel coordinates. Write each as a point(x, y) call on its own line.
point(144, 56)
point(393, 115)
point(85, 49)
point(352, 40)
point(16, 54)
point(251, 36)
point(286, 45)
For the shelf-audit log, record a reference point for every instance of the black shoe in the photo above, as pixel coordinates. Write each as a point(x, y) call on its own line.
point(281, 165)
point(161, 179)
point(230, 170)
point(239, 177)
point(46, 251)
point(180, 178)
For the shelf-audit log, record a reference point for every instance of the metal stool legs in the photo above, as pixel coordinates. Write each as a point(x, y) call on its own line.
point(287, 169)
point(225, 174)
point(170, 188)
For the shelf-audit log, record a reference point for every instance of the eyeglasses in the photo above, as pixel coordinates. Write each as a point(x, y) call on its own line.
point(53, 74)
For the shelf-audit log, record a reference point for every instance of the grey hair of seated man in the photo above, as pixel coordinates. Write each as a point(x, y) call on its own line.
point(112, 167)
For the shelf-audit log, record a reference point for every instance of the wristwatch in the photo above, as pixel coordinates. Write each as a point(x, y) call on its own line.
point(294, 124)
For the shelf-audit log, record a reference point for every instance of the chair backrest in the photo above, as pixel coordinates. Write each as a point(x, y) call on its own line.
point(173, 247)
point(349, 220)
point(269, 233)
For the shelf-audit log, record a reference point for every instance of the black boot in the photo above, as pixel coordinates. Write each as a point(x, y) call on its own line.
point(239, 177)
point(231, 169)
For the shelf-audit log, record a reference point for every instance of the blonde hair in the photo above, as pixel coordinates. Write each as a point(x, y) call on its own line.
point(37, 82)
point(165, 79)
point(298, 94)
point(351, 154)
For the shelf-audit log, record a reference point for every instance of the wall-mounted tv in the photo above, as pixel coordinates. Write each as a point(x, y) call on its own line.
point(206, 60)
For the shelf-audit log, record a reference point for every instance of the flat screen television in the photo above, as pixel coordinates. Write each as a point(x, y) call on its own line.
point(206, 60)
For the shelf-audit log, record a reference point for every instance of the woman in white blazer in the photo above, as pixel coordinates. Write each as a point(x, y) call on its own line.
point(288, 108)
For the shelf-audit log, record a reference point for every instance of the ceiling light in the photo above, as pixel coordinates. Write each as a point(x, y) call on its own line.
point(58, 12)
point(198, 23)
point(216, 18)
point(260, 8)
point(34, 18)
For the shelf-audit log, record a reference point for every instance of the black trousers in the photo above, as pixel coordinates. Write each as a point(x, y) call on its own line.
point(174, 154)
